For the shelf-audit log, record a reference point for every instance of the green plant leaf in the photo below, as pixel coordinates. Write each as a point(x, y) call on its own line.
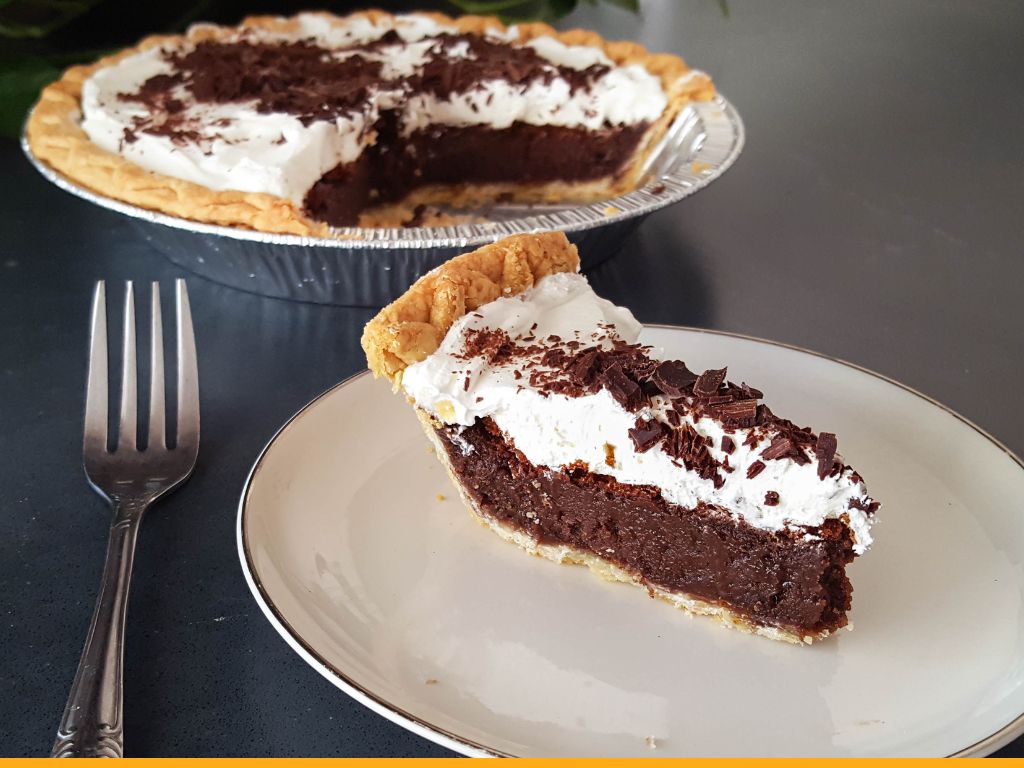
point(560, 8)
point(629, 5)
point(196, 12)
point(492, 6)
point(518, 10)
point(20, 83)
point(22, 77)
point(38, 18)
point(534, 10)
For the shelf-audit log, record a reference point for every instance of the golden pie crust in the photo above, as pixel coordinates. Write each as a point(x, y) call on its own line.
point(413, 326)
point(56, 138)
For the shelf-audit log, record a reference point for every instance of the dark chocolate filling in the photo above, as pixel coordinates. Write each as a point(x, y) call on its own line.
point(439, 155)
point(774, 579)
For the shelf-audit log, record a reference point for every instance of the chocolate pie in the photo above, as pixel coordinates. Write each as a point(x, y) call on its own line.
point(302, 124)
point(567, 437)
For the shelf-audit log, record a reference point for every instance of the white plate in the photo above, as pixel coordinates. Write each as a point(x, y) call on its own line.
point(409, 606)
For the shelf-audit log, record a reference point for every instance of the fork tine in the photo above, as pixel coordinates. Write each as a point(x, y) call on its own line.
point(96, 386)
point(157, 417)
point(188, 377)
point(129, 394)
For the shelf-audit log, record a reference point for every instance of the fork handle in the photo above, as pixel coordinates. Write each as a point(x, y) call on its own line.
point(92, 721)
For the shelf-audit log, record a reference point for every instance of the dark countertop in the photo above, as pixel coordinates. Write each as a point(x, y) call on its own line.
point(875, 215)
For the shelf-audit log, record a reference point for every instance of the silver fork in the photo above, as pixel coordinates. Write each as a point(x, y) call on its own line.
point(130, 480)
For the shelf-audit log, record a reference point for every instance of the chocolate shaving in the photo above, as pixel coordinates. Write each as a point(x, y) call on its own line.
point(673, 378)
point(583, 370)
point(489, 59)
point(639, 366)
point(869, 506)
point(687, 445)
point(739, 413)
point(771, 499)
point(492, 344)
point(728, 446)
point(755, 469)
point(825, 451)
point(625, 391)
point(707, 383)
point(750, 392)
point(790, 442)
point(647, 434)
point(313, 83)
point(780, 447)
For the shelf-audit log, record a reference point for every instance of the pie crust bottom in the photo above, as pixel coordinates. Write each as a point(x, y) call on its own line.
point(462, 199)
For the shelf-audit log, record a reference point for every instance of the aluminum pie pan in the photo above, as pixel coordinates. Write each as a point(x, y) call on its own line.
point(370, 267)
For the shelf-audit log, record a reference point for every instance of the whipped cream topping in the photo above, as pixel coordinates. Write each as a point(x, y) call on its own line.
point(359, 29)
point(231, 146)
point(554, 430)
point(624, 96)
point(237, 146)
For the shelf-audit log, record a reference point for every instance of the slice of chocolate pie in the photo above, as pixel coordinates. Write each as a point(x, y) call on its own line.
point(567, 437)
point(317, 121)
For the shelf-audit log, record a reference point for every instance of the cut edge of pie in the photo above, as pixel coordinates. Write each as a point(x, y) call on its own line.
point(56, 138)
